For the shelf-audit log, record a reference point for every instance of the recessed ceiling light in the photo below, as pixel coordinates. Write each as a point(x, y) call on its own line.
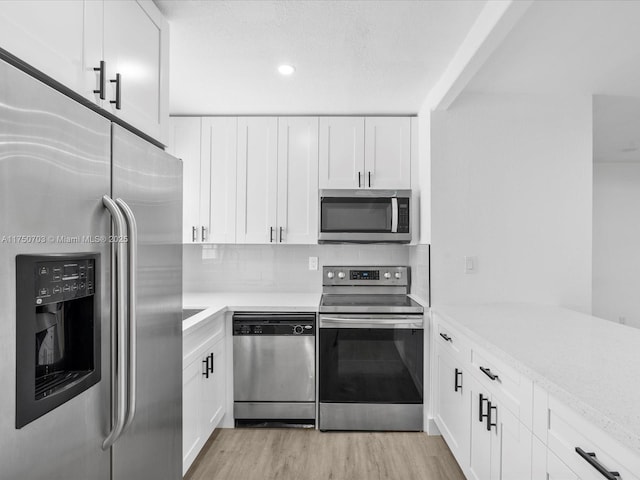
point(286, 69)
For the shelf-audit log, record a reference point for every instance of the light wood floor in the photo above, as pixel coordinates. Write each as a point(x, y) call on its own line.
point(307, 454)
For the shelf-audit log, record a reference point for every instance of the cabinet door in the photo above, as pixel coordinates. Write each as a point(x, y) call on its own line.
point(213, 391)
point(479, 467)
point(135, 37)
point(453, 411)
point(257, 179)
point(510, 446)
point(341, 152)
point(185, 144)
point(219, 149)
point(48, 36)
point(191, 412)
point(387, 161)
point(557, 470)
point(298, 180)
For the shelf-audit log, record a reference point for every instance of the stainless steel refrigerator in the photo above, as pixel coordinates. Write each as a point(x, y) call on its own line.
point(75, 185)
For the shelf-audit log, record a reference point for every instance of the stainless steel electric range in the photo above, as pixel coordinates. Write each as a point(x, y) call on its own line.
point(371, 348)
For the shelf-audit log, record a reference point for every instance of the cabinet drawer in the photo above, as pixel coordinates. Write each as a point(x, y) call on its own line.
point(513, 390)
point(452, 342)
point(209, 329)
point(569, 431)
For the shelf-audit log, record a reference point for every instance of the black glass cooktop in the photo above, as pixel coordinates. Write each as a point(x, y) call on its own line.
point(369, 303)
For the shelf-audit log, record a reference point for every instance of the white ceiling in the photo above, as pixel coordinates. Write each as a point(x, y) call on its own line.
point(352, 57)
point(568, 46)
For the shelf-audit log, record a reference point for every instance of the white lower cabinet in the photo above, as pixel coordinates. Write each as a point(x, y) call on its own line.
point(487, 411)
point(500, 443)
point(203, 385)
point(453, 414)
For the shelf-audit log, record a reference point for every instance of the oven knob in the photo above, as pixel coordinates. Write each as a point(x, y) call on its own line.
point(329, 274)
point(298, 329)
point(341, 275)
point(387, 275)
point(398, 275)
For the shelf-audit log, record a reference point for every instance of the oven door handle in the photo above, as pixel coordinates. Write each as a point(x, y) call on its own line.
point(372, 322)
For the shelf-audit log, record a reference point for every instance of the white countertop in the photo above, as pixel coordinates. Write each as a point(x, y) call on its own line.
point(214, 303)
point(590, 364)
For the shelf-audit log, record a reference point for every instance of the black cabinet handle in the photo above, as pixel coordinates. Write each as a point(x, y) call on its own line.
point(592, 460)
point(117, 101)
point(203, 233)
point(446, 337)
point(270, 234)
point(481, 414)
point(211, 367)
point(193, 233)
point(489, 373)
point(457, 386)
point(359, 185)
point(489, 422)
point(281, 234)
point(102, 86)
point(369, 179)
point(206, 367)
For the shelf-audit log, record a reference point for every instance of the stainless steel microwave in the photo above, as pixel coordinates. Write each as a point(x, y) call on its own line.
point(364, 216)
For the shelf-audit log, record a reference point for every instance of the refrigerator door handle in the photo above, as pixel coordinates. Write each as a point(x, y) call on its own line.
point(132, 242)
point(118, 396)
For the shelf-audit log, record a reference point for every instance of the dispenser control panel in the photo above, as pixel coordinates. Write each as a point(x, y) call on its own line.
point(57, 281)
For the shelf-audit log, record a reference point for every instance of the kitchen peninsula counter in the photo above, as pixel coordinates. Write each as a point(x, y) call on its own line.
point(590, 364)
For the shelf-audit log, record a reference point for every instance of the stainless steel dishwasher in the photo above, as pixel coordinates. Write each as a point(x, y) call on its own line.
point(274, 366)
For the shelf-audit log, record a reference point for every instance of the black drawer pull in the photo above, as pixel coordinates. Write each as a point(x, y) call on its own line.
point(489, 422)
point(446, 337)
point(457, 386)
point(489, 373)
point(118, 101)
point(592, 460)
point(481, 414)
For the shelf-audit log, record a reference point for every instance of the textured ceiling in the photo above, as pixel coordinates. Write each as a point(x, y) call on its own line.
point(351, 56)
point(568, 46)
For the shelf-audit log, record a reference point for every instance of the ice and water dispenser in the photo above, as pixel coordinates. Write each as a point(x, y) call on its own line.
point(57, 331)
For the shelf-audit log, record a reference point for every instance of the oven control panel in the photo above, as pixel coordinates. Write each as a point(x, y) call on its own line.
point(355, 275)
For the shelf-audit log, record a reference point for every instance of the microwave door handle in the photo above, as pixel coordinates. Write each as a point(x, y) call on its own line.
point(132, 242)
point(119, 378)
point(394, 215)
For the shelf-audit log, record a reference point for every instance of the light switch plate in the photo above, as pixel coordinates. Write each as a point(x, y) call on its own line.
point(470, 264)
point(313, 263)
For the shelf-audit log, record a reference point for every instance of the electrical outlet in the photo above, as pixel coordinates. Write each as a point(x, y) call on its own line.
point(313, 263)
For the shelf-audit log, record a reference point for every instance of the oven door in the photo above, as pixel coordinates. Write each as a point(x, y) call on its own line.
point(369, 359)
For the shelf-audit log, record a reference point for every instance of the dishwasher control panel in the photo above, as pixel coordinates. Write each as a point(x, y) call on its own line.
point(255, 324)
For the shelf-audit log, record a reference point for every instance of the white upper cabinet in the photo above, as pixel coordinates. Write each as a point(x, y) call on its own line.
point(387, 152)
point(136, 69)
point(70, 41)
point(297, 217)
point(257, 181)
point(185, 144)
point(219, 153)
point(365, 152)
point(47, 35)
point(341, 152)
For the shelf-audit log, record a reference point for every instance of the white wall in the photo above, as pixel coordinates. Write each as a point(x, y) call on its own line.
point(616, 242)
point(423, 171)
point(511, 180)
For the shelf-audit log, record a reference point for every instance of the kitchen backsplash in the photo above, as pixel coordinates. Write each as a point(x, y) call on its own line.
point(268, 268)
